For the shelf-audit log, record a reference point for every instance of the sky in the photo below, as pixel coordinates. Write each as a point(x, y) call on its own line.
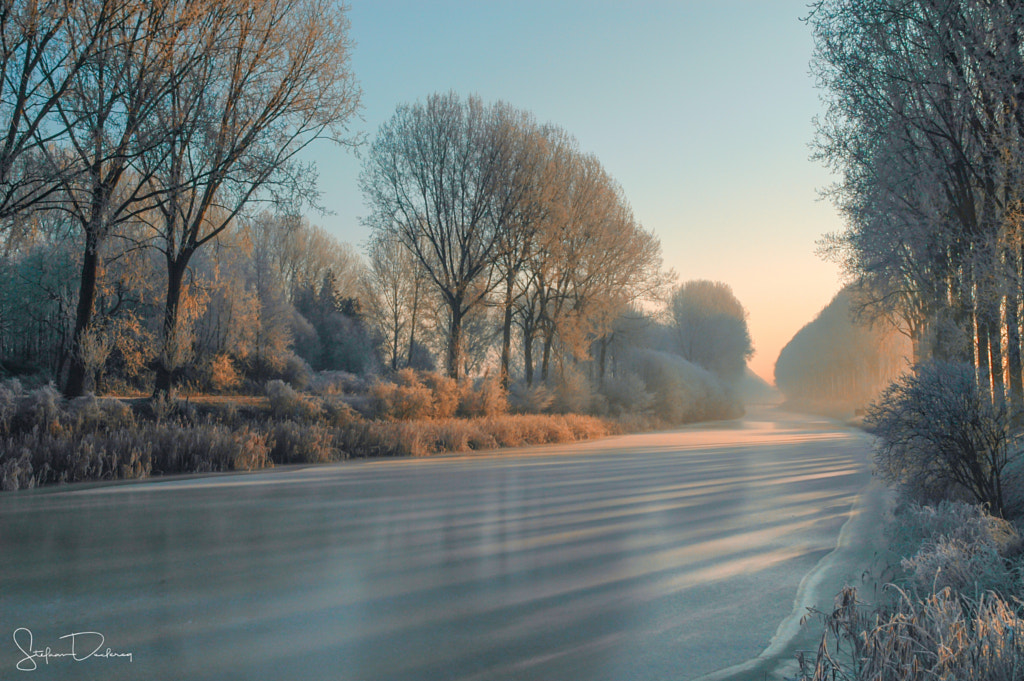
point(701, 109)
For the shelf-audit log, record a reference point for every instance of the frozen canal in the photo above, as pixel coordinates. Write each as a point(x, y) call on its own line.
point(661, 556)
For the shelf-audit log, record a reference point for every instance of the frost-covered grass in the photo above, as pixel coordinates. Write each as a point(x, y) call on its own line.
point(952, 611)
point(942, 635)
point(441, 436)
point(45, 439)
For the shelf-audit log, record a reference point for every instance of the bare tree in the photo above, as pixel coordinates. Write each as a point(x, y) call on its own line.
point(394, 286)
point(522, 202)
point(265, 80)
point(105, 112)
point(591, 262)
point(431, 179)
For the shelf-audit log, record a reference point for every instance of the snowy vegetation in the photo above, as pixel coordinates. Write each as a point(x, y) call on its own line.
point(506, 280)
point(924, 132)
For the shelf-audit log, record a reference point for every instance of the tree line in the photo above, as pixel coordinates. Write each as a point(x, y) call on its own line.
point(836, 363)
point(134, 126)
point(491, 209)
point(925, 129)
point(151, 188)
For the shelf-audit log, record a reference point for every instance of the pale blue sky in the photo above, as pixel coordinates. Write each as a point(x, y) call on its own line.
point(701, 110)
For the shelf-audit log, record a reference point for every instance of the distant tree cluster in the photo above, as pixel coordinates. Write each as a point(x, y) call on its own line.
point(477, 211)
point(710, 325)
point(925, 130)
point(837, 362)
point(150, 238)
point(135, 135)
point(276, 298)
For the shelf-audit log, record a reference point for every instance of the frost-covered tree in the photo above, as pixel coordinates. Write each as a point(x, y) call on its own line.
point(839, 360)
point(710, 328)
point(925, 131)
point(262, 80)
point(433, 180)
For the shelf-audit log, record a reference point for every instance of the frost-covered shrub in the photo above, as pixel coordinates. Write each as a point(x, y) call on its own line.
point(483, 397)
point(304, 443)
point(208, 448)
point(525, 399)
point(162, 408)
point(586, 427)
point(406, 400)
point(286, 403)
point(683, 392)
point(65, 454)
point(223, 375)
point(445, 394)
point(337, 383)
point(956, 545)
point(627, 393)
point(10, 393)
point(335, 412)
point(416, 397)
point(451, 436)
point(550, 431)
point(42, 408)
point(12, 386)
point(938, 434)
point(480, 437)
point(573, 392)
point(16, 471)
point(914, 524)
point(89, 413)
point(963, 566)
point(384, 438)
point(507, 431)
point(327, 383)
point(297, 372)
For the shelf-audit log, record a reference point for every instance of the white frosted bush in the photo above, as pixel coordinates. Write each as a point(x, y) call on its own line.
point(10, 392)
point(338, 383)
point(573, 393)
point(483, 397)
point(964, 566)
point(939, 436)
point(43, 407)
point(627, 393)
point(285, 402)
point(525, 399)
point(954, 544)
point(89, 413)
point(682, 391)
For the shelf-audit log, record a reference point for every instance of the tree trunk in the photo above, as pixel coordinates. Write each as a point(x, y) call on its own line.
point(528, 355)
point(412, 320)
point(1013, 354)
point(549, 338)
point(455, 339)
point(75, 386)
point(602, 360)
point(506, 332)
point(981, 351)
point(166, 363)
point(395, 341)
point(995, 347)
